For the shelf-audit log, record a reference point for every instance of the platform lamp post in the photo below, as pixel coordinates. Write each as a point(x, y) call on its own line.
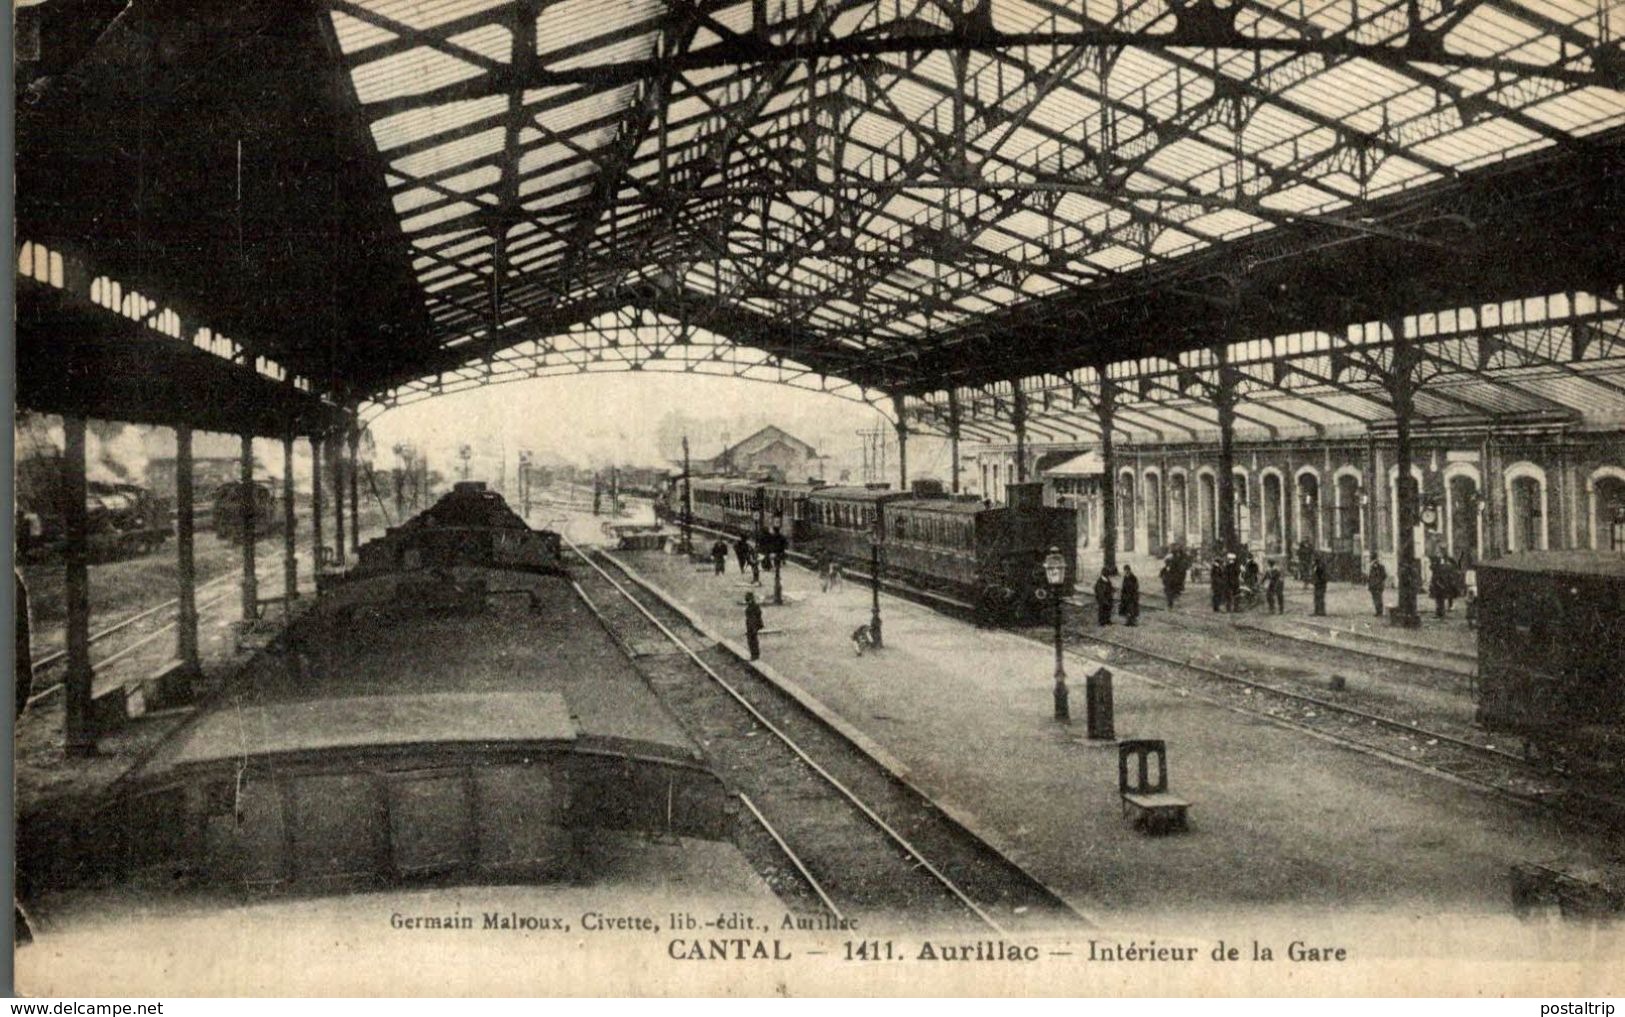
point(874, 587)
point(1055, 573)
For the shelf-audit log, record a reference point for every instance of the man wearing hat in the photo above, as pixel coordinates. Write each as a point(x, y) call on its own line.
point(1103, 598)
point(1376, 578)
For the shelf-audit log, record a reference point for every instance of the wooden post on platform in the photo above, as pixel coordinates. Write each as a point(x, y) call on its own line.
point(1106, 412)
point(251, 589)
point(186, 646)
point(1018, 416)
point(902, 443)
point(1224, 400)
point(355, 494)
point(79, 731)
point(316, 448)
point(1401, 382)
point(335, 454)
point(290, 531)
point(953, 439)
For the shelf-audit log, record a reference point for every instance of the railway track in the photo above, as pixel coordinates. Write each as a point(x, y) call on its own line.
point(1463, 759)
point(51, 659)
point(1453, 756)
point(831, 829)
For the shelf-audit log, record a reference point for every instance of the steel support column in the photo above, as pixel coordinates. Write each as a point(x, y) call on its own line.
point(1018, 416)
point(902, 443)
point(355, 493)
point(953, 440)
point(79, 732)
point(1401, 385)
point(317, 446)
point(1224, 400)
point(186, 647)
point(290, 531)
point(1105, 409)
point(245, 474)
point(335, 455)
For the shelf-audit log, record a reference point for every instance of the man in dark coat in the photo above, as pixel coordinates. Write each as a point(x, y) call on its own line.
point(742, 552)
point(1274, 588)
point(1170, 580)
point(1103, 598)
point(753, 626)
point(719, 556)
point(1131, 596)
point(1438, 585)
point(1232, 583)
point(1376, 578)
point(1215, 579)
point(1317, 577)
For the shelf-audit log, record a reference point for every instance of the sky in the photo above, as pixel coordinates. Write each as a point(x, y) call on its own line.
point(597, 419)
point(591, 420)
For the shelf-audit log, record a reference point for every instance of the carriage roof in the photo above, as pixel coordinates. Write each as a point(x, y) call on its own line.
point(859, 493)
point(940, 506)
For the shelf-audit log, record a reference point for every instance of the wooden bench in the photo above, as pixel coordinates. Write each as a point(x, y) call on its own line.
point(1146, 801)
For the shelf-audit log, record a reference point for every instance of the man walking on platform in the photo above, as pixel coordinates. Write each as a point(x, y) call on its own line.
point(753, 626)
point(1103, 598)
point(1317, 576)
point(1232, 583)
point(719, 556)
point(1172, 580)
point(1376, 578)
point(1131, 596)
point(1274, 589)
point(1215, 581)
point(1438, 585)
point(742, 552)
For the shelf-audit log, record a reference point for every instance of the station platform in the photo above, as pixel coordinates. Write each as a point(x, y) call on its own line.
point(1350, 623)
point(1283, 824)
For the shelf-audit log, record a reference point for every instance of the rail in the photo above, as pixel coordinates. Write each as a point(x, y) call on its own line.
point(897, 838)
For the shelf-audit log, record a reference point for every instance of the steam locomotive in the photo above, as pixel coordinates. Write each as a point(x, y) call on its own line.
point(228, 510)
point(124, 520)
point(961, 547)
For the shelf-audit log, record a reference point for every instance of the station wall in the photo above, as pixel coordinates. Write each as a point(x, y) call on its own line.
point(1483, 493)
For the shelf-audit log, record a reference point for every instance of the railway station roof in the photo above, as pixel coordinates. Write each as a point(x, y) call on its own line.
point(1008, 200)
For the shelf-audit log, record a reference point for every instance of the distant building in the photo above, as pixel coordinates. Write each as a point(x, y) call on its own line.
point(770, 451)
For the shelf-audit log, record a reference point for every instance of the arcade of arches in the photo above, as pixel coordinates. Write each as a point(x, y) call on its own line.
point(1481, 497)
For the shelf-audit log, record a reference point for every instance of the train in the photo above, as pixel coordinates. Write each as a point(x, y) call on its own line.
point(227, 510)
point(124, 520)
point(1551, 651)
point(452, 714)
point(989, 556)
point(468, 525)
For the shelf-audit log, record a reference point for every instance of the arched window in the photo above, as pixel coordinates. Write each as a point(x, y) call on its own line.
point(1605, 492)
point(1526, 507)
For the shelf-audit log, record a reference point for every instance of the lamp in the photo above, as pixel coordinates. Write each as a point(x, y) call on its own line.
point(1055, 574)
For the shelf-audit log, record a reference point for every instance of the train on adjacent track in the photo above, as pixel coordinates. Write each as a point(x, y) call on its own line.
point(1551, 652)
point(990, 556)
point(122, 519)
point(228, 507)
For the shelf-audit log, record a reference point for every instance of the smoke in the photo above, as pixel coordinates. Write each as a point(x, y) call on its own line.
point(115, 452)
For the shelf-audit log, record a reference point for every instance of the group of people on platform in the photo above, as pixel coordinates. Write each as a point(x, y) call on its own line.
point(767, 552)
point(1236, 582)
